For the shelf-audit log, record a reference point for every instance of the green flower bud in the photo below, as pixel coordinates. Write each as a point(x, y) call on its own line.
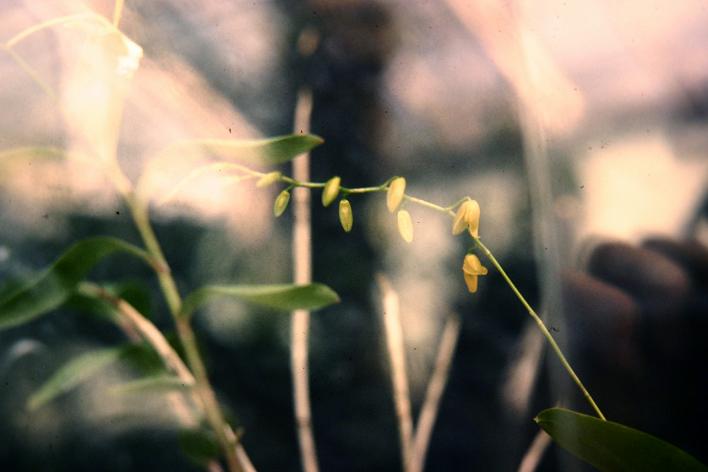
point(281, 203)
point(405, 226)
point(268, 179)
point(396, 191)
point(346, 216)
point(331, 190)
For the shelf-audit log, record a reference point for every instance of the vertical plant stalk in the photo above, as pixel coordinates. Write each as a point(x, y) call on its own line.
point(302, 274)
point(212, 409)
point(535, 452)
point(397, 358)
point(542, 326)
point(117, 12)
point(433, 394)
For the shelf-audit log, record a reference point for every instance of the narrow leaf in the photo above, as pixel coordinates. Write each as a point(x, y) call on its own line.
point(270, 151)
point(158, 383)
point(73, 373)
point(56, 284)
point(612, 446)
point(285, 297)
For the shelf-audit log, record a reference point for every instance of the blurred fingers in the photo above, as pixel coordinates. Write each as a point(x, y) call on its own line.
point(602, 319)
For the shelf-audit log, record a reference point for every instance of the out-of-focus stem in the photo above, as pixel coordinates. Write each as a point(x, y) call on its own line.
point(534, 454)
point(397, 358)
point(212, 409)
point(31, 72)
point(169, 357)
point(203, 387)
point(117, 12)
point(302, 274)
point(144, 327)
point(433, 394)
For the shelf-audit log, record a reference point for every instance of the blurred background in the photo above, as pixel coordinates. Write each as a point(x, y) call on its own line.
point(571, 123)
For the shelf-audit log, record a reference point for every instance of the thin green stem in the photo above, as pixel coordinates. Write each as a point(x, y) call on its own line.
point(206, 393)
point(167, 283)
point(31, 72)
point(457, 203)
point(48, 24)
point(346, 190)
point(541, 326)
point(186, 335)
point(428, 204)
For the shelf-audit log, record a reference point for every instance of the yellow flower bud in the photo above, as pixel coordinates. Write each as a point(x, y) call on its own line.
point(396, 191)
point(405, 226)
point(331, 190)
point(471, 269)
point(281, 203)
point(467, 217)
point(268, 179)
point(346, 216)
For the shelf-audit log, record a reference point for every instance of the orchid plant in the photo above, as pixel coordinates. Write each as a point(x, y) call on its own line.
point(185, 376)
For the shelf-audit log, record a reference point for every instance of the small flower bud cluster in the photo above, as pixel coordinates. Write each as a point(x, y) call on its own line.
point(466, 218)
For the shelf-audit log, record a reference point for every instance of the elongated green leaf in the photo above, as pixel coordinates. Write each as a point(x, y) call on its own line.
point(56, 284)
point(154, 384)
point(269, 151)
point(614, 447)
point(73, 373)
point(281, 297)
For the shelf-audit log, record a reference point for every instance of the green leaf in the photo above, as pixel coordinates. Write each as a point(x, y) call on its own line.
point(73, 373)
point(56, 284)
point(199, 445)
point(271, 151)
point(612, 446)
point(281, 297)
point(158, 383)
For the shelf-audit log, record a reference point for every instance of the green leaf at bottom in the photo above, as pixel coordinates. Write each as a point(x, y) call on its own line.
point(614, 447)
